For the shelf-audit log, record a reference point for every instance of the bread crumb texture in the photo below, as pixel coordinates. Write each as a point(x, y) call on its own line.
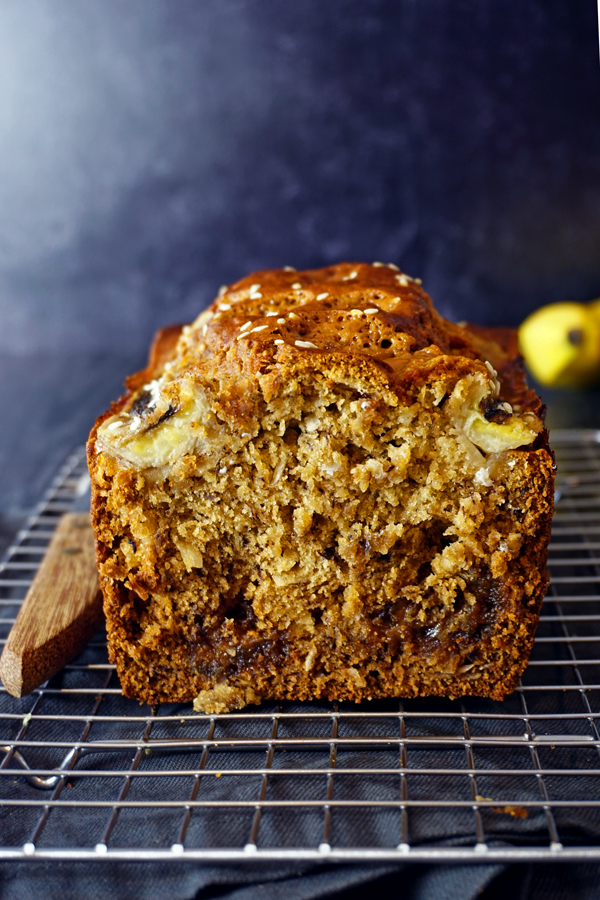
point(321, 488)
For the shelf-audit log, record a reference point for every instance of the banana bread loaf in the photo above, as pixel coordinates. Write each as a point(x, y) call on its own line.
point(322, 488)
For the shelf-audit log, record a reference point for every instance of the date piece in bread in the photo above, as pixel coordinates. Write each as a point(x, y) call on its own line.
point(321, 488)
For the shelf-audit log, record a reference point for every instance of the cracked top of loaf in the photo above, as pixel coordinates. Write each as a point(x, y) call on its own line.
point(366, 324)
point(366, 311)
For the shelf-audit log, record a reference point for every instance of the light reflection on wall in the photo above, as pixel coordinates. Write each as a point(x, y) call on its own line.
point(150, 151)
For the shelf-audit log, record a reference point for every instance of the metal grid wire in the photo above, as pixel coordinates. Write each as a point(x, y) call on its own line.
point(86, 773)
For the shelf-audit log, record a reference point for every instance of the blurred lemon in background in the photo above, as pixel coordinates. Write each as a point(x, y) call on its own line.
point(561, 344)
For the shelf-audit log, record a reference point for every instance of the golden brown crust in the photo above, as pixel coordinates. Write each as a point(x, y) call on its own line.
point(335, 532)
point(401, 342)
point(375, 319)
point(163, 347)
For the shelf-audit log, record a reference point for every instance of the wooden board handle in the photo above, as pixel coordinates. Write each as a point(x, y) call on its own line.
point(61, 612)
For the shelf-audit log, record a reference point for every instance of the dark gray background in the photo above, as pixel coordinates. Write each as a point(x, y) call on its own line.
point(151, 150)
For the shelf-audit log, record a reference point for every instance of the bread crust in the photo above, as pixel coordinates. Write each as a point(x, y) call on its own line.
point(448, 608)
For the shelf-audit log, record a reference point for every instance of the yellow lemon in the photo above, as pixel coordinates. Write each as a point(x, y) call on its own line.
point(561, 344)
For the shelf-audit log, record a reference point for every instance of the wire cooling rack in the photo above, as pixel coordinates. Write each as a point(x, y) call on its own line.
point(87, 774)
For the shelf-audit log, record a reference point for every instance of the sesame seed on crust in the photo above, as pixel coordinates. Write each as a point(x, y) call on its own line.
point(252, 331)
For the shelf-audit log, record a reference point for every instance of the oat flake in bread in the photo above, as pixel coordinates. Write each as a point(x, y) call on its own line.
point(321, 488)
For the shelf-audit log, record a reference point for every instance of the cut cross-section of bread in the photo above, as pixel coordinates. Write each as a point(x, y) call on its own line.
point(322, 489)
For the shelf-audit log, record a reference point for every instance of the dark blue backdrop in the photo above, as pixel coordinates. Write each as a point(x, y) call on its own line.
point(152, 150)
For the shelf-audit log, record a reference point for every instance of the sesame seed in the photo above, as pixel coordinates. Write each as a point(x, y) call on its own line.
point(378, 265)
point(204, 329)
point(186, 330)
point(258, 328)
point(508, 408)
point(417, 281)
point(113, 425)
point(256, 296)
point(404, 280)
point(393, 266)
point(272, 312)
point(350, 276)
point(293, 315)
point(134, 423)
point(289, 269)
point(224, 307)
point(306, 344)
point(281, 321)
point(222, 290)
point(279, 342)
point(245, 326)
point(253, 288)
point(297, 286)
point(356, 312)
point(371, 310)
point(222, 470)
point(322, 296)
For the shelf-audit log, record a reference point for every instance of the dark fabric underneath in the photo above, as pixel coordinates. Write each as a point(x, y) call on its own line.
point(66, 881)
